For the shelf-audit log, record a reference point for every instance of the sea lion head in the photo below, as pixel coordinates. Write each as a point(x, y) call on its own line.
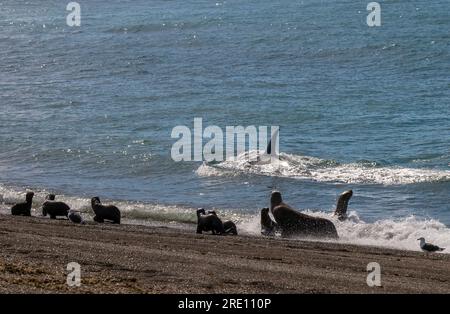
point(275, 199)
point(95, 200)
point(50, 197)
point(200, 212)
point(29, 196)
point(348, 194)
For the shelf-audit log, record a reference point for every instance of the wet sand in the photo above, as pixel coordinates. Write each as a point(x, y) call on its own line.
point(34, 253)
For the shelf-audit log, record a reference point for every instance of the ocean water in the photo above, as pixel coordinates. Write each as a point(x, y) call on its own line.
point(89, 110)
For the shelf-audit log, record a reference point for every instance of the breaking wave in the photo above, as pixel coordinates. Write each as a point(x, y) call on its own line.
point(320, 170)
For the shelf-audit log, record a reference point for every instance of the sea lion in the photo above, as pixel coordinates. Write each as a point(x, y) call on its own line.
point(23, 209)
point(54, 208)
point(75, 217)
point(211, 222)
point(268, 226)
point(104, 212)
point(292, 223)
point(230, 227)
point(342, 204)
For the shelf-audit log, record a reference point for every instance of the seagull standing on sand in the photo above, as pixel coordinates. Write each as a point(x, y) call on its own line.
point(428, 247)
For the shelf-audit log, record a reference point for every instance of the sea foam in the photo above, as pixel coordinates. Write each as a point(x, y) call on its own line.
point(320, 170)
point(399, 233)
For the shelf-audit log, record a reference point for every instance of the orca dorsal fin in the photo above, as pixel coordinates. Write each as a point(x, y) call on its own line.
point(273, 142)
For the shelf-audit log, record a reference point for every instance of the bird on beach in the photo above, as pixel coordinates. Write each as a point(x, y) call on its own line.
point(428, 247)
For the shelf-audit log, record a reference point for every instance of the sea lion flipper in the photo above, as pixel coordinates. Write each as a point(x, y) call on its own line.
point(267, 224)
point(342, 204)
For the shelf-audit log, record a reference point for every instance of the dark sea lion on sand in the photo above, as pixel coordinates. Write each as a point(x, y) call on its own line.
point(211, 222)
point(230, 227)
point(342, 204)
point(293, 223)
point(105, 212)
point(75, 217)
point(54, 208)
point(23, 209)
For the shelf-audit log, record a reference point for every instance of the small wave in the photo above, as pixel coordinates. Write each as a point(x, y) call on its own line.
point(158, 27)
point(140, 28)
point(320, 170)
point(394, 233)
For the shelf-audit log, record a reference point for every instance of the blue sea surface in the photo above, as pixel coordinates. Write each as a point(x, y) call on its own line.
point(89, 110)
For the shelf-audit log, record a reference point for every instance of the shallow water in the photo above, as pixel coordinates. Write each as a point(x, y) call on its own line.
point(89, 111)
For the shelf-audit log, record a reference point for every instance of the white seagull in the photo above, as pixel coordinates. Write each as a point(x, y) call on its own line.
point(428, 247)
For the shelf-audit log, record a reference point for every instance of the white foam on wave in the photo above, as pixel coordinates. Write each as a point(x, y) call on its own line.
point(320, 170)
point(399, 233)
point(135, 211)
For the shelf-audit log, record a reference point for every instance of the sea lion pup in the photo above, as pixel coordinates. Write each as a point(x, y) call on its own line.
point(209, 222)
point(292, 223)
point(75, 217)
point(23, 209)
point(342, 204)
point(268, 226)
point(228, 226)
point(104, 212)
point(54, 208)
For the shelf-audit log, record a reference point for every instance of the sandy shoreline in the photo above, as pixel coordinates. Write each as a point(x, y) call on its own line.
point(139, 259)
